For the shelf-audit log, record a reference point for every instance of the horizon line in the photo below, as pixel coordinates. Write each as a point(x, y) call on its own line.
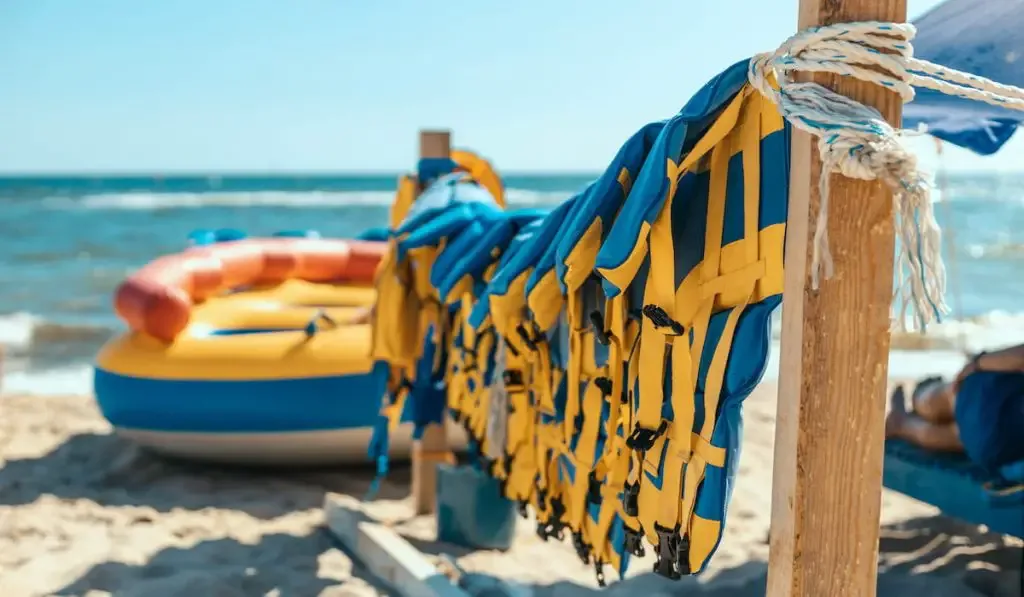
point(240, 172)
point(352, 173)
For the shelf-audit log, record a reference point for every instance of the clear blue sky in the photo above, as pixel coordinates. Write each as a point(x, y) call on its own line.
point(214, 85)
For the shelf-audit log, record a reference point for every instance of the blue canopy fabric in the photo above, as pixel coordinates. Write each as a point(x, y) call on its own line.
point(982, 37)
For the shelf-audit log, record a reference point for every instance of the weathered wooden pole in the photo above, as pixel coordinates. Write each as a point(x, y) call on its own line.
point(432, 447)
point(827, 480)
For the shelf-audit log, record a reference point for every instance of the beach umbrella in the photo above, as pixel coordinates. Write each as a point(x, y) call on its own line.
point(982, 37)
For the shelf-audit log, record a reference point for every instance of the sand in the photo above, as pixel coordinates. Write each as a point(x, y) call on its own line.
point(85, 513)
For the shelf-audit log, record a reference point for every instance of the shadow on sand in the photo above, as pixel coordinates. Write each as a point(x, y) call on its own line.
point(934, 556)
point(115, 472)
point(937, 556)
point(280, 564)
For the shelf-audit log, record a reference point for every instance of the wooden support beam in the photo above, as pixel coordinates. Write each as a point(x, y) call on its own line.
point(385, 553)
point(428, 451)
point(435, 144)
point(827, 480)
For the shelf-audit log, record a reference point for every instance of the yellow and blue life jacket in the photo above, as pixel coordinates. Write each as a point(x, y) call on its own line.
point(411, 324)
point(464, 267)
point(698, 247)
point(597, 332)
point(480, 345)
point(544, 395)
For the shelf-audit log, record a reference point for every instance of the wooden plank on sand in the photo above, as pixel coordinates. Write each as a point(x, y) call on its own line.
point(385, 553)
point(826, 496)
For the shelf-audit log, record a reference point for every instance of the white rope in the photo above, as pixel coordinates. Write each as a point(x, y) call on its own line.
point(856, 141)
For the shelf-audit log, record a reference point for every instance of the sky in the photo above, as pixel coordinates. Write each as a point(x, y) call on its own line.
point(344, 85)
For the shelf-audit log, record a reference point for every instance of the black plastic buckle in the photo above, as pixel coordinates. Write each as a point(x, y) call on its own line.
point(555, 526)
point(558, 511)
point(599, 572)
point(634, 543)
point(507, 460)
point(605, 385)
point(513, 379)
point(631, 499)
point(593, 489)
point(551, 529)
point(642, 439)
point(597, 323)
point(666, 552)
point(673, 557)
point(528, 340)
point(659, 317)
point(502, 483)
point(683, 556)
point(511, 347)
point(582, 549)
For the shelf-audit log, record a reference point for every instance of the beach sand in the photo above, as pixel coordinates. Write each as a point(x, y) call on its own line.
point(85, 513)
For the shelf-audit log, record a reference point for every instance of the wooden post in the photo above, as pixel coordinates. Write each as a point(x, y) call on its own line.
point(427, 452)
point(827, 479)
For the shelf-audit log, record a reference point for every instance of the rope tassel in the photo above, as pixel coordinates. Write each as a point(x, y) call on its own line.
point(855, 140)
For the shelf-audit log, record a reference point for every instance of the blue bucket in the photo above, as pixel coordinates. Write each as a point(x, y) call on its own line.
point(471, 512)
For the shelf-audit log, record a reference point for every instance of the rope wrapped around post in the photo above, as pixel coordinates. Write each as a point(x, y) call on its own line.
point(855, 141)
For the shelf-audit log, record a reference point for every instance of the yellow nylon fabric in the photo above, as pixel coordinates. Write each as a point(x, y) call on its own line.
point(727, 279)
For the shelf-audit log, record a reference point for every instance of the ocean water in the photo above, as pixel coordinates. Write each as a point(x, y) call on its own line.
point(66, 243)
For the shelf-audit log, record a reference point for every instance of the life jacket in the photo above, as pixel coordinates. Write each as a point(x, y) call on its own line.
point(493, 367)
point(452, 205)
point(460, 274)
point(529, 346)
point(481, 171)
point(698, 248)
point(596, 334)
point(410, 323)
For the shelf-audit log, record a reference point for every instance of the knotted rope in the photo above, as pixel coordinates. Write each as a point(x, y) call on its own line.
point(856, 141)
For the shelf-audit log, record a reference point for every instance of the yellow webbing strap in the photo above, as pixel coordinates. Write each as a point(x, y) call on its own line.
point(405, 196)
point(661, 323)
point(392, 409)
point(713, 285)
point(481, 171)
point(659, 292)
point(583, 457)
point(629, 460)
point(678, 452)
point(615, 331)
point(476, 402)
point(462, 361)
point(395, 316)
point(521, 429)
point(549, 484)
point(612, 469)
point(574, 369)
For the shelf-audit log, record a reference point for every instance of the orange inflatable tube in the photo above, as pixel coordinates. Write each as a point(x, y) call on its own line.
point(158, 299)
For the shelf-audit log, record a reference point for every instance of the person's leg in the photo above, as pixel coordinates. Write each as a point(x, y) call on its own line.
point(912, 427)
point(934, 401)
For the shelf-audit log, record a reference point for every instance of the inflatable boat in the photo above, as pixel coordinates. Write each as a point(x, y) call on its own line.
point(249, 351)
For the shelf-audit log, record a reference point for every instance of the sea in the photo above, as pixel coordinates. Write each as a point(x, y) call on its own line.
point(66, 242)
